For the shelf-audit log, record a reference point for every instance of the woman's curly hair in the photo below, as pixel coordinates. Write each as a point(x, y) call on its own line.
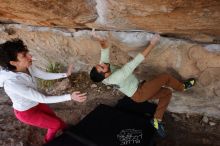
point(9, 51)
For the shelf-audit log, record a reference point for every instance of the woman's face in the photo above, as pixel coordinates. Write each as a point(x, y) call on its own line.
point(24, 60)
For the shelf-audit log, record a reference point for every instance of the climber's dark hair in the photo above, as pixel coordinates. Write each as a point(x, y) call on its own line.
point(9, 51)
point(95, 76)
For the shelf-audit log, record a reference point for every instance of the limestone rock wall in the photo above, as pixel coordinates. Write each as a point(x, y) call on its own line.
point(198, 19)
point(183, 59)
point(72, 13)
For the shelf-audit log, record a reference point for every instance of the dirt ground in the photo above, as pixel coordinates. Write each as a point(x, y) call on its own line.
point(182, 129)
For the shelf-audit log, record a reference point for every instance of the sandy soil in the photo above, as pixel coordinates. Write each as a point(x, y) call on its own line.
point(182, 129)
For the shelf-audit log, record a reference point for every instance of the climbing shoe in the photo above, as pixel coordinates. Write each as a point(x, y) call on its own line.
point(159, 127)
point(189, 83)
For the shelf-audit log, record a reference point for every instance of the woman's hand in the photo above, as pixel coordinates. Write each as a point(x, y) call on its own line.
point(77, 96)
point(69, 70)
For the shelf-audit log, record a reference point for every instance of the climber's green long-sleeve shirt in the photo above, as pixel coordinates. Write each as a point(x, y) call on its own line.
point(122, 77)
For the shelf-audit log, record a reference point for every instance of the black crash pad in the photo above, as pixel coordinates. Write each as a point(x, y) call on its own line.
point(108, 126)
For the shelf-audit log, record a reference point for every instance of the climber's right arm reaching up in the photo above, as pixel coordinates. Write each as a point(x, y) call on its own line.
point(105, 45)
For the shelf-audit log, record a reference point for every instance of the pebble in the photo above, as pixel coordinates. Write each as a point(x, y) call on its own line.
point(205, 119)
point(187, 116)
point(212, 123)
point(93, 86)
point(176, 117)
point(108, 87)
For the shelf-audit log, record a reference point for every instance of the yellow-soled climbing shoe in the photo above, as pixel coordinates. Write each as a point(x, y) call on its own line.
point(159, 127)
point(189, 83)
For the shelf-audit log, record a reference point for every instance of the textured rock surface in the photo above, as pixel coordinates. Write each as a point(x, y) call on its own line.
point(180, 58)
point(167, 16)
point(12, 132)
point(198, 19)
point(72, 13)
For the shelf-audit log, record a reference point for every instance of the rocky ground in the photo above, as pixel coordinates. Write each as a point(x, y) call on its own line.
point(182, 129)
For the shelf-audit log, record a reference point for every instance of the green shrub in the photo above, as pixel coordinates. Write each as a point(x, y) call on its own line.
point(52, 68)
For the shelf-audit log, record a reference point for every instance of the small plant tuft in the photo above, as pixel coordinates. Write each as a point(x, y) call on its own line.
point(52, 68)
